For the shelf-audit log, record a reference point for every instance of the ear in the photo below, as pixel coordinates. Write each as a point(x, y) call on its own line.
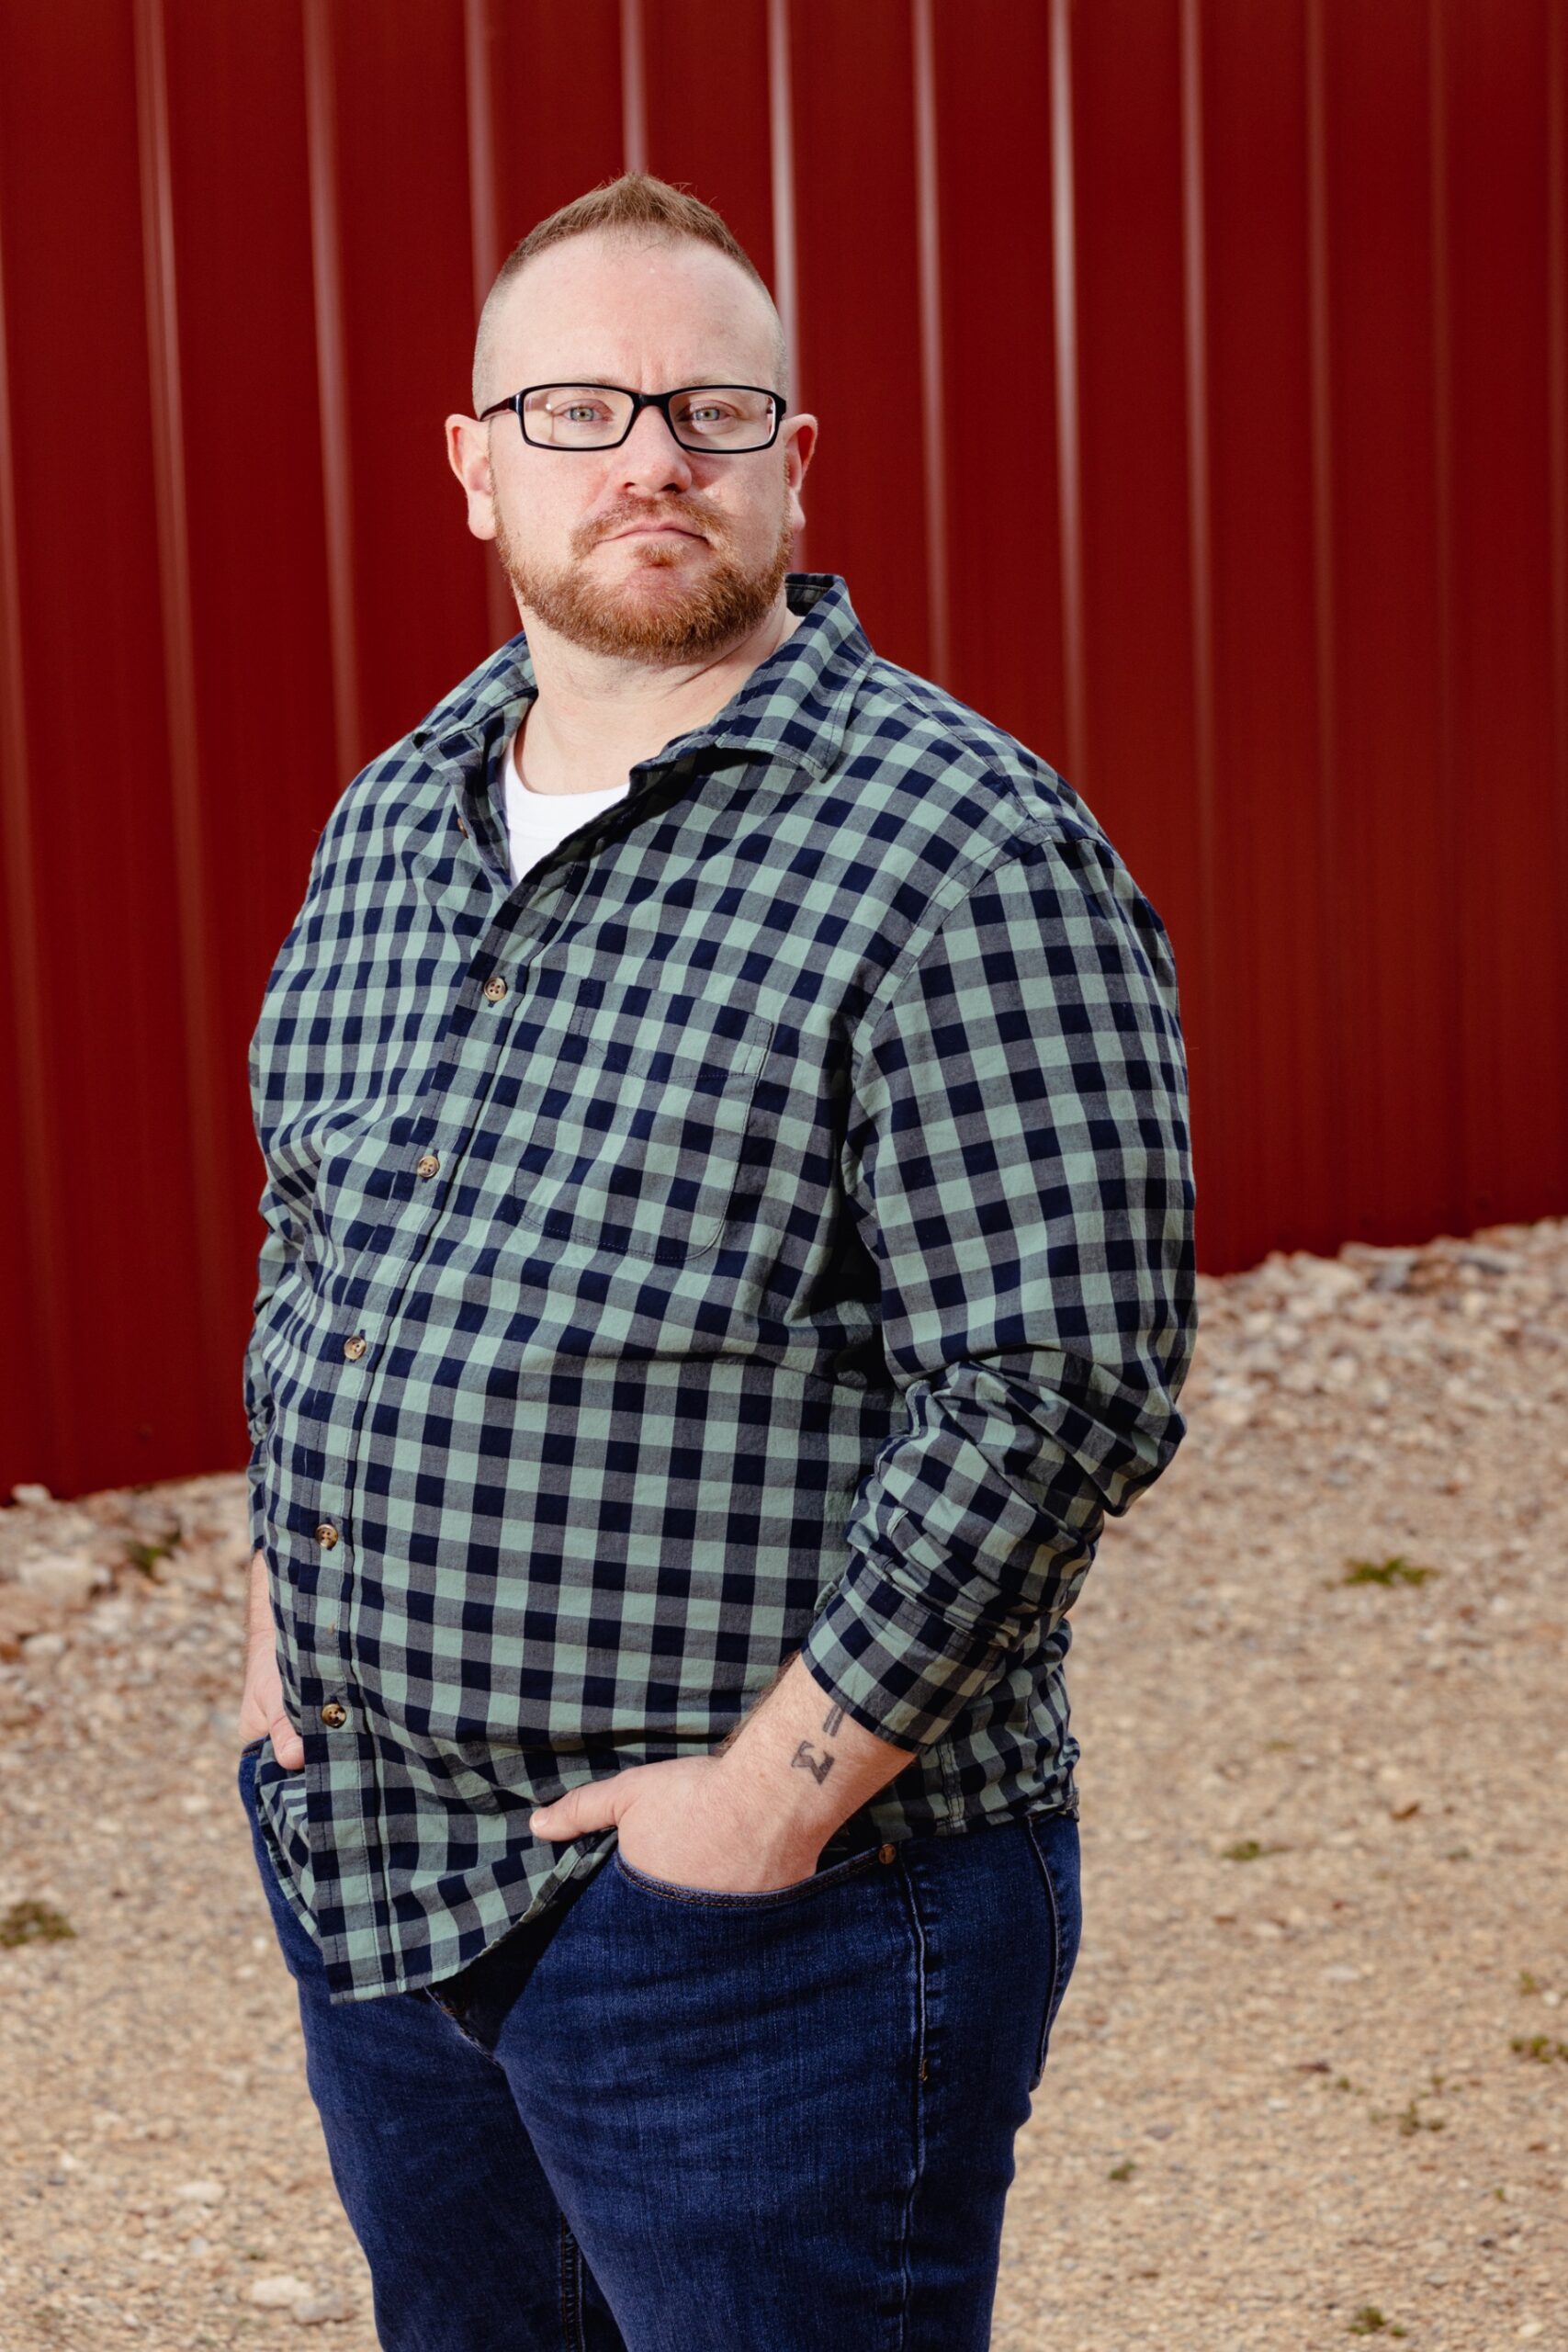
point(468, 454)
point(799, 441)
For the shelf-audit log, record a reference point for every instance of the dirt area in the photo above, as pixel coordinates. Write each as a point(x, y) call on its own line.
point(1310, 2082)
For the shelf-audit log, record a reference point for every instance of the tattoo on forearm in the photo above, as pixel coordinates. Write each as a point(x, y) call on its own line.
point(804, 1757)
point(833, 1718)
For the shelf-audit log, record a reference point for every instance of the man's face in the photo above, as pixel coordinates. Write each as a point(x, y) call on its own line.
point(648, 552)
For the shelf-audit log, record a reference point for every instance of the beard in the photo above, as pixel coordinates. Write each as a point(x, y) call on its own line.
point(680, 621)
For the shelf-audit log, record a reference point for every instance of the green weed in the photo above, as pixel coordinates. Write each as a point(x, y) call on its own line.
point(1542, 2047)
point(146, 1557)
point(31, 1922)
point(1398, 1571)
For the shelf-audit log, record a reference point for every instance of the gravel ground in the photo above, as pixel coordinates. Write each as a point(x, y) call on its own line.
point(1310, 2082)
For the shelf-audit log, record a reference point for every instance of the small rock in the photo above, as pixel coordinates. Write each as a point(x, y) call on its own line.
point(108, 1507)
point(1489, 1262)
point(278, 2291)
point(61, 1576)
point(31, 1494)
point(201, 2192)
point(334, 2304)
point(1394, 1273)
point(154, 1521)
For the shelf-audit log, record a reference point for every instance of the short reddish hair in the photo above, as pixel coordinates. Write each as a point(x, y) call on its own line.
point(636, 204)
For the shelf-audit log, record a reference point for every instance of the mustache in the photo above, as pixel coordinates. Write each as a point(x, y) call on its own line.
point(645, 517)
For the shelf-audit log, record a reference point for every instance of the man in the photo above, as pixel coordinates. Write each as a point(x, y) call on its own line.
point(728, 1244)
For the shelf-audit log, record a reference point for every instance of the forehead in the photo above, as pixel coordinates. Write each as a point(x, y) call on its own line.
point(642, 312)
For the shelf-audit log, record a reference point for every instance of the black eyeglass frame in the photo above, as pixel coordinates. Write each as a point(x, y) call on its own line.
point(640, 401)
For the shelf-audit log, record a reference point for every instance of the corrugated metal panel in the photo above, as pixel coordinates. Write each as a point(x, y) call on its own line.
point(1194, 388)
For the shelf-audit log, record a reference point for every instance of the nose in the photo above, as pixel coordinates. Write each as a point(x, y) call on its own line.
point(652, 458)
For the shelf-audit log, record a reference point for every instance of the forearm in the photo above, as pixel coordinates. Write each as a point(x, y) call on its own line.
point(797, 1760)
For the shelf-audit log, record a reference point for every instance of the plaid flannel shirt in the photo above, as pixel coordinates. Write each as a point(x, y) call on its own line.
point(767, 1226)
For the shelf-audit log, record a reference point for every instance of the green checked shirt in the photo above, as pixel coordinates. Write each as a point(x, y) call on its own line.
point(766, 1225)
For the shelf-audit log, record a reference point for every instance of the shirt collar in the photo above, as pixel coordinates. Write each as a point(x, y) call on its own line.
point(795, 706)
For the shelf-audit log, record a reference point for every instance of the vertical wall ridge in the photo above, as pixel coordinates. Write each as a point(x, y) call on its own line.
point(1069, 452)
point(1194, 311)
point(40, 1325)
point(933, 394)
point(212, 1188)
point(486, 236)
point(1459, 1075)
point(1557, 480)
point(1333, 1041)
point(332, 380)
point(781, 196)
point(633, 89)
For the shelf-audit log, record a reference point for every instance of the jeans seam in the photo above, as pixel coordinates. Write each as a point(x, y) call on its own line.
point(570, 2290)
point(918, 2105)
point(1043, 2043)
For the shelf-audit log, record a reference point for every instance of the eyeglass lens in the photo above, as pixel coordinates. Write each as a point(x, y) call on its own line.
point(586, 416)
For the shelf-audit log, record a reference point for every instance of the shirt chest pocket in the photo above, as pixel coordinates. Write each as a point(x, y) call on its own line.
point(648, 1123)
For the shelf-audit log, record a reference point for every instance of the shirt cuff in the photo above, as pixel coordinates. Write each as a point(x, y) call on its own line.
point(892, 1662)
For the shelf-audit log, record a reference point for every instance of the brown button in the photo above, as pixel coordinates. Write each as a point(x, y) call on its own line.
point(426, 1164)
point(495, 988)
point(461, 827)
point(353, 1349)
point(885, 1853)
point(326, 1535)
point(334, 1714)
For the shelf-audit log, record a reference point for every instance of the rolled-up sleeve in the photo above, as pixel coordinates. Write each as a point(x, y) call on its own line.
point(1017, 1158)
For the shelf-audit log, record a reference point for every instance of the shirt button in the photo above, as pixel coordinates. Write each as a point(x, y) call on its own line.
point(426, 1164)
point(495, 988)
point(353, 1349)
point(333, 1714)
point(326, 1535)
point(885, 1853)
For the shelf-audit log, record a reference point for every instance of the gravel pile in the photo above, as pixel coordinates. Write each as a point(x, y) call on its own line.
point(1310, 2083)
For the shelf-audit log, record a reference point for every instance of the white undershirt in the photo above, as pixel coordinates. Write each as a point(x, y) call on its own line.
point(536, 821)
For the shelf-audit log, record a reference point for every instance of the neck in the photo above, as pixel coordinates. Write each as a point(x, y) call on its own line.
point(595, 716)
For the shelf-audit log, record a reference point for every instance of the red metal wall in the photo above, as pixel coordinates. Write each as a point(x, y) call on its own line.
point(1193, 379)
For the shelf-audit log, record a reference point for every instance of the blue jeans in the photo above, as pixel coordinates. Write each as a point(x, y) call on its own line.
point(659, 2118)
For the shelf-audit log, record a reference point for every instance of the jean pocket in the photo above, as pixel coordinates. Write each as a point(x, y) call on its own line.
point(767, 1898)
point(1053, 1842)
